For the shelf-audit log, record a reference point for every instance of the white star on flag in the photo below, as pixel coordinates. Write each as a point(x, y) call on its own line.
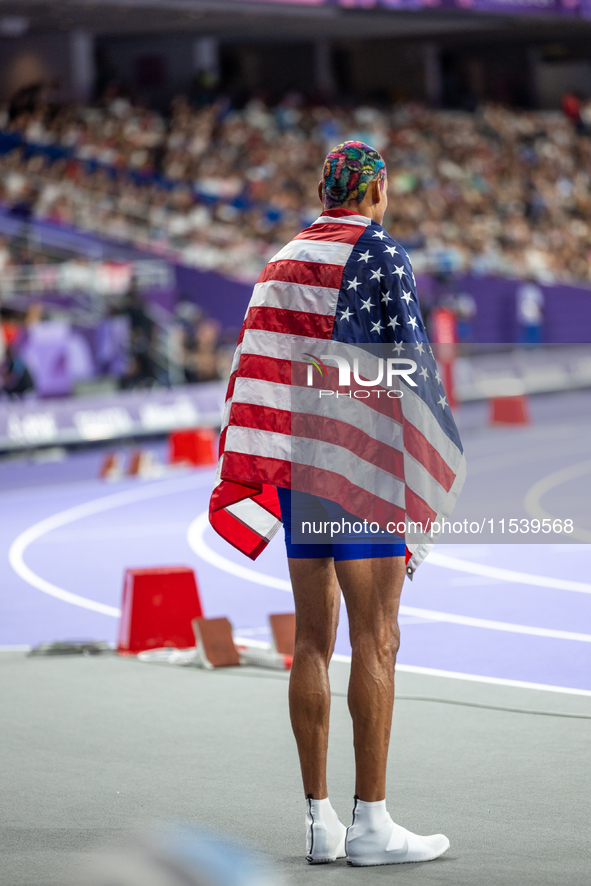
point(376, 327)
point(346, 314)
point(413, 322)
point(386, 297)
point(424, 372)
point(391, 249)
point(364, 257)
point(376, 275)
point(354, 284)
point(437, 376)
point(442, 402)
point(406, 296)
point(366, 305)
point(419, 348)
point(394, 322)
point(398, 347)
point(400, 271)
point(380, 234)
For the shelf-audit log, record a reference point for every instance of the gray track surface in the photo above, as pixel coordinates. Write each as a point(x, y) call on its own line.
point(92, 746)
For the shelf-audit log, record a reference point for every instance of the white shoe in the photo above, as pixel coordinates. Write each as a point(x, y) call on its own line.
point(325, 835)
point(374, 838)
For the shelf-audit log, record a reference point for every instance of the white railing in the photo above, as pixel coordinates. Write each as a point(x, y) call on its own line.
point(90, 277)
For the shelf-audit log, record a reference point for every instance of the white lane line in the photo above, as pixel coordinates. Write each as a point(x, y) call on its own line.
point(195, 538)
point(524, 578)
point(495, 625)
point(438, 672)
point(197, 543)
point(510, 458)
point(533, 495)
point(478, 678)
point(110, 533)
point(97, 506)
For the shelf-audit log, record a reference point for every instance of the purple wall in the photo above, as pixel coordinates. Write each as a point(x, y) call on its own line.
point(221, 298)
point(567, 310)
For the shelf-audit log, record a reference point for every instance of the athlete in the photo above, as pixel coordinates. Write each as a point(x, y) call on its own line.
point(344, 279)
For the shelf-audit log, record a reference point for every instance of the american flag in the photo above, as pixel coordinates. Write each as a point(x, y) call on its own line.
point(341, 283)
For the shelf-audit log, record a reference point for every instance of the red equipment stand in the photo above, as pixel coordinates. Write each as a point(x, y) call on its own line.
point(195, 447)
point(158, 608)
point(215, 644)
point(139, 463)
point(283, 630)
point(110, 468)
point(509, 410)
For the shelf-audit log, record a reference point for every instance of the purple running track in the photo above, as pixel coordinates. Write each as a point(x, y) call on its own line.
point(147, 524)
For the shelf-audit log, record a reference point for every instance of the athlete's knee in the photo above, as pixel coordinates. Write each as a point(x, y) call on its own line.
point(379, 641)
point(395, 639)
point(315, 643)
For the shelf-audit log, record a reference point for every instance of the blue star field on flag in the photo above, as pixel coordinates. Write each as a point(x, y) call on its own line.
point(378, 304)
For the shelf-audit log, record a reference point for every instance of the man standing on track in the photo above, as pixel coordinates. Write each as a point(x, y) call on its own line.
point(343, 280)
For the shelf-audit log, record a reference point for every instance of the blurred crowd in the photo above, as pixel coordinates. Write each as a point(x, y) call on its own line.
point(135, 346)
point(493, 191)
point(59, 347)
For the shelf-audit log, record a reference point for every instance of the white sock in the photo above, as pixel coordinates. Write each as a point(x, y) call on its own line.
point(374, 838)
point(371, 815)
point(322, 813)
point(325, 835)
point(320, 806)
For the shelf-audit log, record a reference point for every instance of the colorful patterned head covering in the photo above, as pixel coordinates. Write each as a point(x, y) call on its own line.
point(348, 170)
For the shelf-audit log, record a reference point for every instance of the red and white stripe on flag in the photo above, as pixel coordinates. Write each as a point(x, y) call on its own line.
point(403, 467)
point(296, 295)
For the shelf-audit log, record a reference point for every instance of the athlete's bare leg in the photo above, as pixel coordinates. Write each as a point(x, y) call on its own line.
point(372, 589)
point(317, 602)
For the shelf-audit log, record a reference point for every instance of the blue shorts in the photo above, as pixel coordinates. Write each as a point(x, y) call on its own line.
point(299, 508)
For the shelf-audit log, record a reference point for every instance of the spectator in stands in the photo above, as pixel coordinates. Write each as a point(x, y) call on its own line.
point(571, 105)
point(15, 378)
point(5, 255)
point(141, 370)
point(465, 307)
point(25, 101)
point(202, 362)
point(113, 344)
point(586, 117)
point(495, 191)
point(10, 327)
point(135, 308)
point(530, 316)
